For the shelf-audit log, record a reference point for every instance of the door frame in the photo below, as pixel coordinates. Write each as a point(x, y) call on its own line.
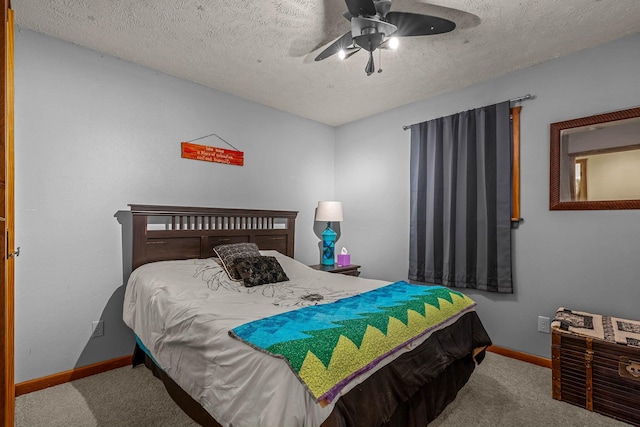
point(7, 396)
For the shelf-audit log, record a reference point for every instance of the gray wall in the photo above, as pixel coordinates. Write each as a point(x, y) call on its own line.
point(581, 260)
point(94, 133)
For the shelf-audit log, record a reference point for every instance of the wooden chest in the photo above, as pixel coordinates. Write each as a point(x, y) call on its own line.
point(596, 374)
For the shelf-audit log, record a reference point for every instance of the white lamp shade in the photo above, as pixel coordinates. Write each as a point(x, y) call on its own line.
point(329, 211)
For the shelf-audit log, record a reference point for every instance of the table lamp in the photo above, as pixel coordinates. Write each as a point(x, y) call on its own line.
point(328, 211)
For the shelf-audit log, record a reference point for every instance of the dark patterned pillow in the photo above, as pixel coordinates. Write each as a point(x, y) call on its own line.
point(229, 253)
point(258, 270)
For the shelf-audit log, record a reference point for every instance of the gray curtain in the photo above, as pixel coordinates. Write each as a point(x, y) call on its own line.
point(460, 232)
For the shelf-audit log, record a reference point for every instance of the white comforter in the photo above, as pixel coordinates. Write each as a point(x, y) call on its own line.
point(182, 312)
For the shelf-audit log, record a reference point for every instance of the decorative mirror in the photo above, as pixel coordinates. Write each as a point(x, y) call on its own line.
point(595, 162)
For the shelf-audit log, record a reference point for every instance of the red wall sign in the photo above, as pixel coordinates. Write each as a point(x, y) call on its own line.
point(212, 154)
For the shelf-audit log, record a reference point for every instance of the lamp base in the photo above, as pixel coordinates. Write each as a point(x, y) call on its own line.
point(328, 245)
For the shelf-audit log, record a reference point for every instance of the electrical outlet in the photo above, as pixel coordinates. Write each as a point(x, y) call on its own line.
point(97, 328)
point(544, 325)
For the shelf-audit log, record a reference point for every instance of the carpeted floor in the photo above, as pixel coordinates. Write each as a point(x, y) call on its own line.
point(502, 392)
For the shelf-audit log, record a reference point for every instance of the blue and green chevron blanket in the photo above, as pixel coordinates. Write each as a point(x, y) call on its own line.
point(328, 345)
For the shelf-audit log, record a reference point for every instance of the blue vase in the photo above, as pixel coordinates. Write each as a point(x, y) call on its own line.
point(328, 245)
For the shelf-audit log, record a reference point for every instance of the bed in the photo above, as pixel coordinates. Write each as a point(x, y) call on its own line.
point(182, 306)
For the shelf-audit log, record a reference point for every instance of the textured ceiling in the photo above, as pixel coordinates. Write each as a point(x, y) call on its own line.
point(263, 50)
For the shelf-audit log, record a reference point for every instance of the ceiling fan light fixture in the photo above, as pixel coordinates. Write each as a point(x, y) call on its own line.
point(342, 54)
point(394, 43)
point(369, 33)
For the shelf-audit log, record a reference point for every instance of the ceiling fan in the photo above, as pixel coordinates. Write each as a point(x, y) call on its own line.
point(374, 26)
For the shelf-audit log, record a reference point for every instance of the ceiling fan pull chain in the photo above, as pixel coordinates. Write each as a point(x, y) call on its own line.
point(379, 60)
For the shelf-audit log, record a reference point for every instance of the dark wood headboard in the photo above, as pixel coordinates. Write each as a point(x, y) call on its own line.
point(162, 233)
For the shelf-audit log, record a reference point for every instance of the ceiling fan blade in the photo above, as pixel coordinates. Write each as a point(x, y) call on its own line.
point(383, 7)
point(351, 52)
point(361, 7)
point(341, 43)
point(347, 15)
point(413, 24)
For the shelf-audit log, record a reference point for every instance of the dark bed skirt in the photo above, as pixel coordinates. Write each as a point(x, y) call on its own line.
point(181, 397)
point(409, 392)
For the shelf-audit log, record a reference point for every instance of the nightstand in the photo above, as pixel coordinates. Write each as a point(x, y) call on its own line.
point(349, 270)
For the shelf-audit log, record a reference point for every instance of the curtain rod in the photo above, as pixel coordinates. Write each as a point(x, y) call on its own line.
point(518, 99)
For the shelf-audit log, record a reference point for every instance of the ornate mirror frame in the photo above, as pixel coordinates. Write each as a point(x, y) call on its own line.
point(554, 183)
